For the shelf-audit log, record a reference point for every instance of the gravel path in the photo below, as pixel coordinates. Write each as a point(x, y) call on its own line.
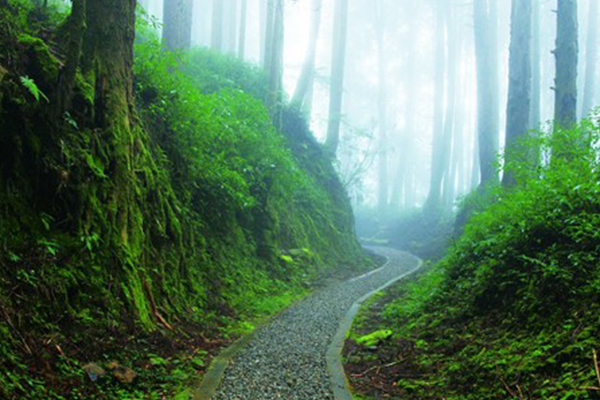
point(286, 360)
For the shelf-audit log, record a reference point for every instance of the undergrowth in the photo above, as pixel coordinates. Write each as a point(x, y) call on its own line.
point(236, 219)
point(512, 311)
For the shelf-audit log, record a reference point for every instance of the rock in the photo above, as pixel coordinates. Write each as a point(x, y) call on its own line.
point(94, 371)
point(124, 374)
point(112, 365)
point(121, 373)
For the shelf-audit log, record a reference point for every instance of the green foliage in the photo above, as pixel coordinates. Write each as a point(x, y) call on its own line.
point(374, 338)
point(219, 221)
point(512, 310)
point(33, 89)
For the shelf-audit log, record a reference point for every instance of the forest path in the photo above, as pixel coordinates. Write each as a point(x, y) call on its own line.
point(297, 355)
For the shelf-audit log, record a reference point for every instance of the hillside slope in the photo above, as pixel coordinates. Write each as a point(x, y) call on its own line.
point(512, 311)
point(225, 220)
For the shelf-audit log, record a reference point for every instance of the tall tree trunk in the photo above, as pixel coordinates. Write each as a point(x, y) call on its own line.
point(337, 75)
point(75, 29)
point(269, 33)
point(383, 188)
point(566, 53)
point(536, 67)
point(475, 174)
point(262, 39)
point(276, 62)
point(487, 88)
point(519, 87)
point(307, 76)
point(108, 57)
point(437, 171)
point(243, 27)
point(453, 55)
point(177, 18)
point(217, 25)
point(231, 21)
point(409, 148)
point(591, 59)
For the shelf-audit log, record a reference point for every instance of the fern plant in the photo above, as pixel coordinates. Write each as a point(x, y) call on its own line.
point(33, 88)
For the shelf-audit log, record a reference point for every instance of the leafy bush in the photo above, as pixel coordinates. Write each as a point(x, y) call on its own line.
point(233, 218)
point(512, 311)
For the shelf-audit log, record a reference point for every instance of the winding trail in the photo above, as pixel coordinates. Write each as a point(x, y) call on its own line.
point(297, 355)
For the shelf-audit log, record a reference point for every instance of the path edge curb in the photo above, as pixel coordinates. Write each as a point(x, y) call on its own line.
point(340, 385)
point(207, 386)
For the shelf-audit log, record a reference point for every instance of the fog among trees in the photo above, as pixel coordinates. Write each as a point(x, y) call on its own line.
point(176, 173)
point(426, 94)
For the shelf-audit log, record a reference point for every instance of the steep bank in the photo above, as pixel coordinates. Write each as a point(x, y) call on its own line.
point(143, 216)
point(512, 310)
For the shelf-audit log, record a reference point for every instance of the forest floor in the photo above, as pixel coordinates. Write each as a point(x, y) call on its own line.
point(287, 358)
point(372, 360)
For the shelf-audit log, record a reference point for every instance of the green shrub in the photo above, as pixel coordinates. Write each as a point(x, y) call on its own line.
point(514, 305)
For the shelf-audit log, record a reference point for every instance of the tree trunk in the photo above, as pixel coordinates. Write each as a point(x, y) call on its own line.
point(217, 25)
point(475, 174)
point(231, 7)
point(276, 62)
point(262, 16)
point(591, 60)
point(337, 75)
point(75, 29)
point(437, 171)
point(519, 87)
point(454, 46)
point(536, 68)
point(269, 33)
point(383, 188)
point(487, 88)
point(243, 27)
point(307, 75)
point(177, 19)
point(108, 57)
point(565, 104)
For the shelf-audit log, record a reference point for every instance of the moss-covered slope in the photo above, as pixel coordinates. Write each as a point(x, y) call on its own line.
point(223, 213)
point(512, 312)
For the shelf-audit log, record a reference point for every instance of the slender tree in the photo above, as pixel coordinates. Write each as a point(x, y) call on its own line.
point(566, 53)
point(262, 16)
point(337, 75)
point(382, 107)
point(487, 87)
point(269, 34)
point(307, 76)
point(217, 25)
point(276, 62)
point(519, 87)
point(231, 8)
point(475, 174)
point(243, 27)
point(591, 59)
point(177, 17)
point(75, 29)
point(450, 120)
point(536, 67)
point(437, 170)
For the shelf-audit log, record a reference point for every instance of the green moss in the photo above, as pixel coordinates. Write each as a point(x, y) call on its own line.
point(199, 209)
point(44, 64)
point(514, 305)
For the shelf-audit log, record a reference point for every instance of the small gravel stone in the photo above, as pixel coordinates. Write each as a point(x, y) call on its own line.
point(286, 360)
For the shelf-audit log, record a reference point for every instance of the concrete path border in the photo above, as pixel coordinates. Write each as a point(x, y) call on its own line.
point(339, 381)
point(207, 389)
